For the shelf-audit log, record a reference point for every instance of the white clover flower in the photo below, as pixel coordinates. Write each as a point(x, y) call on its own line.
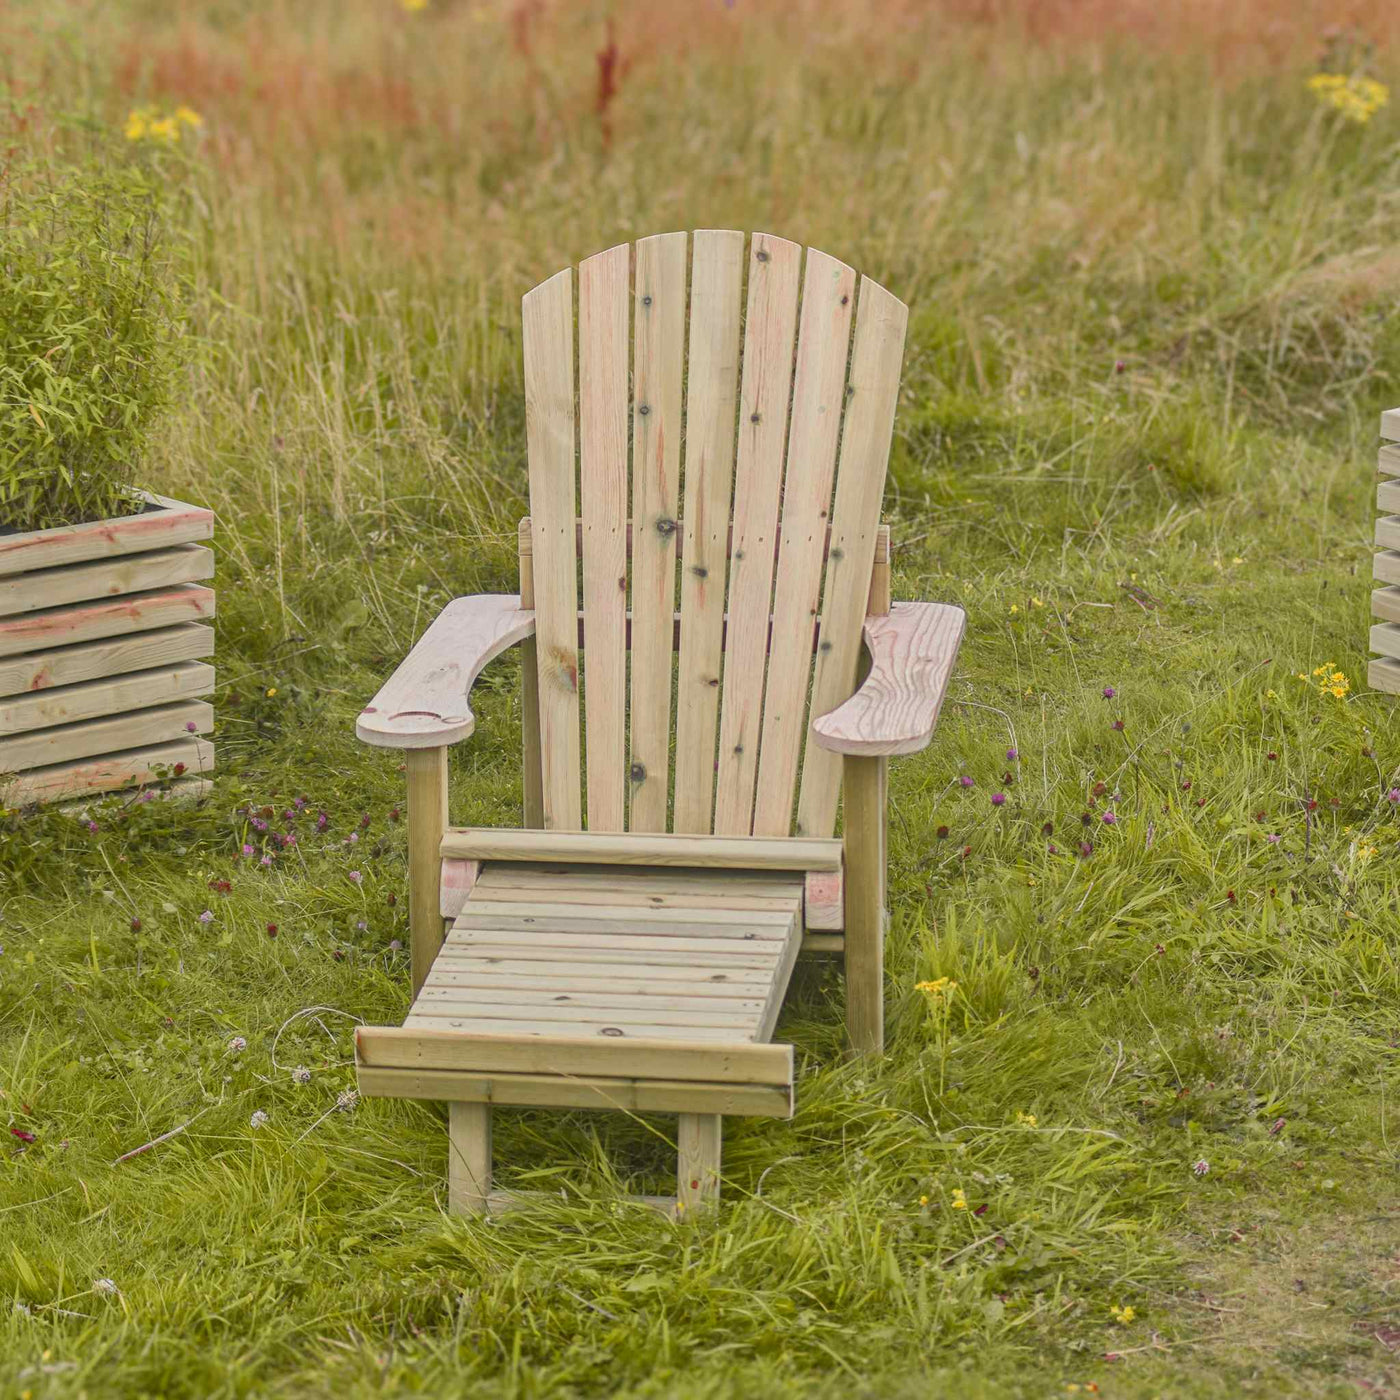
point(237, 1045)
point(259, 1120)
point(104, 1285)
point(301, 1075)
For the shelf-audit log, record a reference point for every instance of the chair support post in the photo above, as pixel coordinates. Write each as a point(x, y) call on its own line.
point(427, 820)
point(468, 1158)
point(698, 1139)
point(864, 795)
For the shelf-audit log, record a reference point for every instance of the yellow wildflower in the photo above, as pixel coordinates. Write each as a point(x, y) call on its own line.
point(187, 116)
point(940, 987)
point(271, 691)
point(135, 125)
point(1027, 1118)
point(959, 1199)
point(923, 1200)
point(1014, 608)
point(1123, 1315)
point(1355, 98)
point(1037, 603)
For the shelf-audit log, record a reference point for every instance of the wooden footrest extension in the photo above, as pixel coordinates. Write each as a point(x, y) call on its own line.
point(639, 990)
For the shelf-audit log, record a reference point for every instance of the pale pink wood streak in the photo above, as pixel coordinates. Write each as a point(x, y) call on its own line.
point(912, 653)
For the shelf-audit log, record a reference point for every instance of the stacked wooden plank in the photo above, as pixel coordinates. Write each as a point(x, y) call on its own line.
point(102, 640)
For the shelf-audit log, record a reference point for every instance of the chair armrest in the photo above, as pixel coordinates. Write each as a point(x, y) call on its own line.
point(912, 651)
point(423, 705)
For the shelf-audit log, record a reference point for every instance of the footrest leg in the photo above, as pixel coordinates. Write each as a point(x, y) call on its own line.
point(697, 1176)
point(468, 1157)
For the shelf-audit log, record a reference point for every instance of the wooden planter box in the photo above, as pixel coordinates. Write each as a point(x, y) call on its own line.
point(102, 634)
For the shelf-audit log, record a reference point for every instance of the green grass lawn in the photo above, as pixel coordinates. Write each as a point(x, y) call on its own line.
point(1152, 1146)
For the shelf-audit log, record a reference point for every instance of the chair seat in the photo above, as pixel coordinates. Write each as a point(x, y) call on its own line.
point(641, 952)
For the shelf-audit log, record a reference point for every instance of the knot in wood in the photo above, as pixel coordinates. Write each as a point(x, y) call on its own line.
point(639, 773)
point(665, 526)
point(644, 409)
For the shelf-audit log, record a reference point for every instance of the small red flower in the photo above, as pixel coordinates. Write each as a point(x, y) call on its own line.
point(22, 1135)
point(272, 930)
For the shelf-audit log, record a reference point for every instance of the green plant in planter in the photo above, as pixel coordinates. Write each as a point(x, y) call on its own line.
point(89, 338)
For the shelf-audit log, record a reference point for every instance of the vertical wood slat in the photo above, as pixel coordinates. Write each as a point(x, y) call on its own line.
point(770, 325)
point(819, 383)
point(716, 281)
point(548, 328)
point(872, 393)
point(659, 363)
point(532, 770)
point(603, 294)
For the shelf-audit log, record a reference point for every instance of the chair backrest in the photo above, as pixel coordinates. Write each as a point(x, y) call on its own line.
point(758, 445)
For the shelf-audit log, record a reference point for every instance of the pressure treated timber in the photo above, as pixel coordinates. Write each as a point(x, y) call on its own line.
point(67, 704)
point(87, 661)
point(89, 738)
point(579, 1091)
point(1386, 567)
point(468, 1157)
point(109, 617)
point(1385, 604)
point(642, 848)
point(1384, 674)
point(109, 773)
point(394, 1047)
point(427, 816)
point(564, 942)
point(912, 650)
point(425, 703)
point(104, 578)
point(163, 523)
point(698, 1137)
point(824, 900)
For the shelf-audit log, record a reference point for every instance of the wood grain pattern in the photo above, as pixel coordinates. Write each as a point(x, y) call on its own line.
point(865, 805)
point(169, 523)
point(639, 1095)
point(602, 383)
point(698, 1139)
point(1385, 604)
point(66, 743)
point(424, 704)
point(659, 362)
point(104, 578)
point(1390, 425)
point(1383, 674)
point(426, 772)
point(712, 381)
point(824, 900)
point(1389, 461)
point(548, 316)
point(1385, 567)
point(92, 699)
point(392, 1047)
point(468, 1157)
point(912, 652)
point(642, 848)
point(872, 392)
point(818, 393)
point(770, 325)
point(113, 617)
point(531, 758)
point(455, 884)
point(56, 667)
point(109, 773)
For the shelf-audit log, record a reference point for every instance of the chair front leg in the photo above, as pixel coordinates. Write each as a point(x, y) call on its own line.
point(864, 796)
point(427, 820)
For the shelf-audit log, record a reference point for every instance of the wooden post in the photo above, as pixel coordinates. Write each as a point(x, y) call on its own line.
point(698, 1138)
point(468, 1158)
point(863, 805)
point(427, 820)
point(532, 757)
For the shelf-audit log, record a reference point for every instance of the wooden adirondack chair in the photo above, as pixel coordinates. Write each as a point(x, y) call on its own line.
point(626, 965)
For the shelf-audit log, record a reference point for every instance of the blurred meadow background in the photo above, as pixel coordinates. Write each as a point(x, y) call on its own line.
point(1143, 1148)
